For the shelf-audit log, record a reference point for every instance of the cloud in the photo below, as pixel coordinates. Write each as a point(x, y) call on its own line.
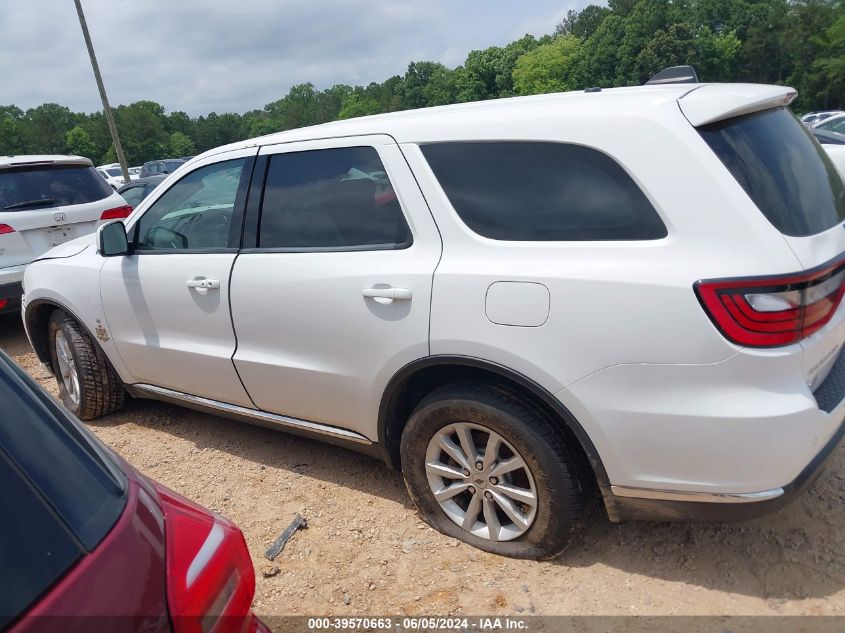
point(214, 55)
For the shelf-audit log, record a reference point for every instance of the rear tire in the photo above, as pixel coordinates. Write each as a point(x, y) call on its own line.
point(88, 385)
point(527, 495)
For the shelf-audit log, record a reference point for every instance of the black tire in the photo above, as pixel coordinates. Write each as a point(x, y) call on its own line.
point(100, 389)
point(553, 465)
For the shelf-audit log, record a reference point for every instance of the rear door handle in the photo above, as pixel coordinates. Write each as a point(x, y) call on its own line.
point(201, 282)
point(387, 295)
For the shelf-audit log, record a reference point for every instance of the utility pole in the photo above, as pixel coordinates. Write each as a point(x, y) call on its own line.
point(118, 148)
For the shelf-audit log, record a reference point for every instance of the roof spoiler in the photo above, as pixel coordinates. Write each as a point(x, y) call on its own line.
point(717, 102)
point(674, 75)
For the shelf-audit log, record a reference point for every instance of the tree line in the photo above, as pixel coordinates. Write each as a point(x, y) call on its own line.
point(794, 42)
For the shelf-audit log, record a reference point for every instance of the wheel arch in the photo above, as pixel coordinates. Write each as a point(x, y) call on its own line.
point(418, 378)
point(37, 319)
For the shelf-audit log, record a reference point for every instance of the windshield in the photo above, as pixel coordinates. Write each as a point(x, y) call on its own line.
point(172, 165)
point(783, 170)
point(50, 185)
point(115, 171)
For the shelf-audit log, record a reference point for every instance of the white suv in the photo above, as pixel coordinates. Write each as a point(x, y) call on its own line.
point(45, 201)
point(516, 302)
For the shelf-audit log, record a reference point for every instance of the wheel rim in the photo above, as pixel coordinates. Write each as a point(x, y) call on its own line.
point(67, 367)
point(481, 482)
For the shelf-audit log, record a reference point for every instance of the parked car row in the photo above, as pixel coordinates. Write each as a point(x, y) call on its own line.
point(511, 302)
point(113, 172)
point(814, 118)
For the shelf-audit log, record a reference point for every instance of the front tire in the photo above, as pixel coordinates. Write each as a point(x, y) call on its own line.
point(88, 385)
point(483, 466)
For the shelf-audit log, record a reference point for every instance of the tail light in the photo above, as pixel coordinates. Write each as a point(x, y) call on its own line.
point(118, 213)
point(3, 303)
point(774, 311)
point(210, 578)
point(5, 228)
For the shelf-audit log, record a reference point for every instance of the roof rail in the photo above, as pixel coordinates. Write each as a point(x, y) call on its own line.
point(674, 75)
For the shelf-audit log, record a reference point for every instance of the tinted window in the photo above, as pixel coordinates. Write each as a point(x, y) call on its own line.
point(542, 192)
point(61, 489)
point(35, 549)
point(133, 195)
point(332, 198)
point(782, 169)
point(196, 212)
point(115, 171)
point(58, 185)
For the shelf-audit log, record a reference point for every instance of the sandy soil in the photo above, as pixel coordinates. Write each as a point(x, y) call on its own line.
point(366, 552)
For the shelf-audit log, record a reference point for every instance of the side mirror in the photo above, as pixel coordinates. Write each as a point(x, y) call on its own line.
point(111, 239)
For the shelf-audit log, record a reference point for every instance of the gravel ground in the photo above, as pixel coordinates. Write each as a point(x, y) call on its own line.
point(366, 552)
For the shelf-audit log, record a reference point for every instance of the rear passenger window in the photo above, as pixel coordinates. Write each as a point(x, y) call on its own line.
point(330, 199)
point(535, 191)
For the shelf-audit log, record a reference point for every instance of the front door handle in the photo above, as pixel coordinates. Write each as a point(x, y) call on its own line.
point(387, 295)
point(203, 283)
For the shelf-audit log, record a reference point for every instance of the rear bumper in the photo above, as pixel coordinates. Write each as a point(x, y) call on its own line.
point(631, 504)
point(730, 440)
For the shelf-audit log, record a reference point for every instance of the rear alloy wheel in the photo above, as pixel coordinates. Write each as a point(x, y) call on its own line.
point(88, 385)
point(481, 482)
point(486, 467)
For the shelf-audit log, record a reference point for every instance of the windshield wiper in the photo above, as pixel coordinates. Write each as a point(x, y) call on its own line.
point(32, 203)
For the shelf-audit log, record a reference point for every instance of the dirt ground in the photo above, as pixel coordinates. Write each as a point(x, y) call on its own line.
point(366, 552)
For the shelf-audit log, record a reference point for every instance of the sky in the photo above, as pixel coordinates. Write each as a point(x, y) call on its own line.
point(200, 56)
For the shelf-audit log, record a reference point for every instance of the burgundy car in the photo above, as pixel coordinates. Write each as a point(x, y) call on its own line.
point(89, 544)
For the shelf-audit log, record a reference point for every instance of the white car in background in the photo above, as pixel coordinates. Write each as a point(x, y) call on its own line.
point(134, 173)
point(811, 119)
point(112, 174)
point(835, 123)
point(46, 201)
point(837, 155)
point(516, 302)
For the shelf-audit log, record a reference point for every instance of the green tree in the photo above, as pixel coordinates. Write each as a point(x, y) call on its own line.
point(142, 132)
point(10, 142)
point(443, 86)
point(359, 104)
point(716, 57)
point(179, 122)
point(181, 145)
point(582, 23)
point(552, 67)
point(80, 144)
point(602, 55)
point(488, 74)
point(829, 69)
point(296, 109)
point(809, 21)
point(43, 130)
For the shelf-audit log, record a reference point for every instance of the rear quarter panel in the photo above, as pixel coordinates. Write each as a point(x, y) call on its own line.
point(611, 302)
